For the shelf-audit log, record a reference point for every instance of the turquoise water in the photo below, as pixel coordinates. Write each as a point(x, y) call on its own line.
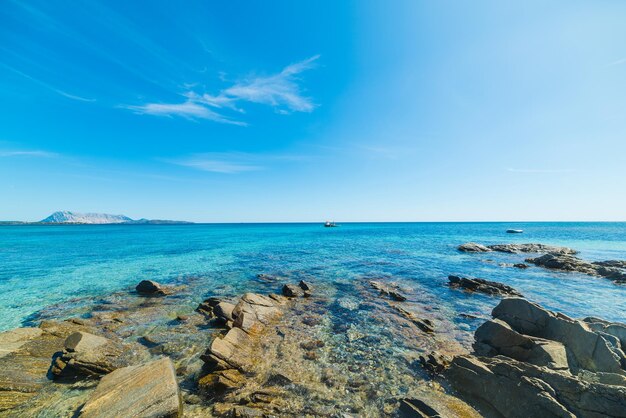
point(45, 265)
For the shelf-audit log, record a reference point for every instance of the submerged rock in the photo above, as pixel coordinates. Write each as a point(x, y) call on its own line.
point(482, 286)
point(575, 264)
point(392, 290)
point(425, 325)
point(147, 390)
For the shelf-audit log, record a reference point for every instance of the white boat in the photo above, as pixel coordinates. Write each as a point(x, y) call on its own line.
point(329, 224)
point(514, 231)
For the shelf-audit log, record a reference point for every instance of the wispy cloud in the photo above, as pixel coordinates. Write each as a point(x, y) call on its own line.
point(25, 153)
point(541, 170)
point(280, 91)
point(46, 85)
point(188, 110)
point(618, 62)
point(232, 162)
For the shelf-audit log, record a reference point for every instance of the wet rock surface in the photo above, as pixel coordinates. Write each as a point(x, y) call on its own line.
point(150, 288)
point(552, 364)
point(482, 286)
point(146, 390)
point(359, 351)
point(613, 270)
point(515, 248)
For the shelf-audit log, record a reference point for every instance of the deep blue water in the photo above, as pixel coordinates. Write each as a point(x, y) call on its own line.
point(45, 265)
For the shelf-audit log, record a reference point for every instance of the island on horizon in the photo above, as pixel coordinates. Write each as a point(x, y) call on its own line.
point(77, 218)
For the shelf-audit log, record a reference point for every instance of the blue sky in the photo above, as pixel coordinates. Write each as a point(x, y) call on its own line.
point(305, 111)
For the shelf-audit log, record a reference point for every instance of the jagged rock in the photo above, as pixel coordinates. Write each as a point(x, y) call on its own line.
point(254, 311)
point(415, 408)
point(571, 263)
point(147, 390)
point(233, 350)
point(615, 329)
point(620, 264)
point(496, 337)
point(482, 286)
point(530, 248)
point(434, 363)
point(472, 247)
point(305, 286)
point(87, 355)
point(150, 288)
point(588, 349)
point(224, 311)
point(206, 307)
point(515, 389)
point(292, 291)
point(520, 265)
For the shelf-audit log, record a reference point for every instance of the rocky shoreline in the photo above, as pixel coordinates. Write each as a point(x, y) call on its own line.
point(385, 351)
point(555, 258)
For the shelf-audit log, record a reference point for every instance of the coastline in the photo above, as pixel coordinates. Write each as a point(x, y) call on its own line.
point(311, 349)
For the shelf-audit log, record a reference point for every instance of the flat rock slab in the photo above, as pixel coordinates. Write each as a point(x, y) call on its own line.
point(12, 340)
point(147, 390)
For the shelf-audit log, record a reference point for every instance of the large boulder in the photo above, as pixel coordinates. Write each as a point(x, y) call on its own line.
point(482, 286)
point(224, 311)
point(506, 387)
point(86, 354)
point(586, 349)
point(496, 337)
point(147, 390)
point(150, 288)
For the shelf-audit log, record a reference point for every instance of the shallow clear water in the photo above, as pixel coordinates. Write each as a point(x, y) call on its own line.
point(45, 265)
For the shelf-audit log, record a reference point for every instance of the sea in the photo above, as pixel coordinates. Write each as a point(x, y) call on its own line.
point(65, 266)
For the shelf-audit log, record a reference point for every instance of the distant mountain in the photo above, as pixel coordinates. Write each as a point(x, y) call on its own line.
point(67, 217)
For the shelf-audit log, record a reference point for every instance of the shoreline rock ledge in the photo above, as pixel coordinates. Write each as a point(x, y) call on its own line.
point(529, 361)
point(146, 390)
point(472, 247)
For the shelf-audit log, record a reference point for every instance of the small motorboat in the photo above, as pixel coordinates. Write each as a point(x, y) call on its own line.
point(514, 231)
point(329, 224)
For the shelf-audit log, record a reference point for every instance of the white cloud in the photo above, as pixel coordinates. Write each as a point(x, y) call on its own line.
point(189, 110)
point(24, 153)
point(540, 170)
point(280, 91)
point(232, 162)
